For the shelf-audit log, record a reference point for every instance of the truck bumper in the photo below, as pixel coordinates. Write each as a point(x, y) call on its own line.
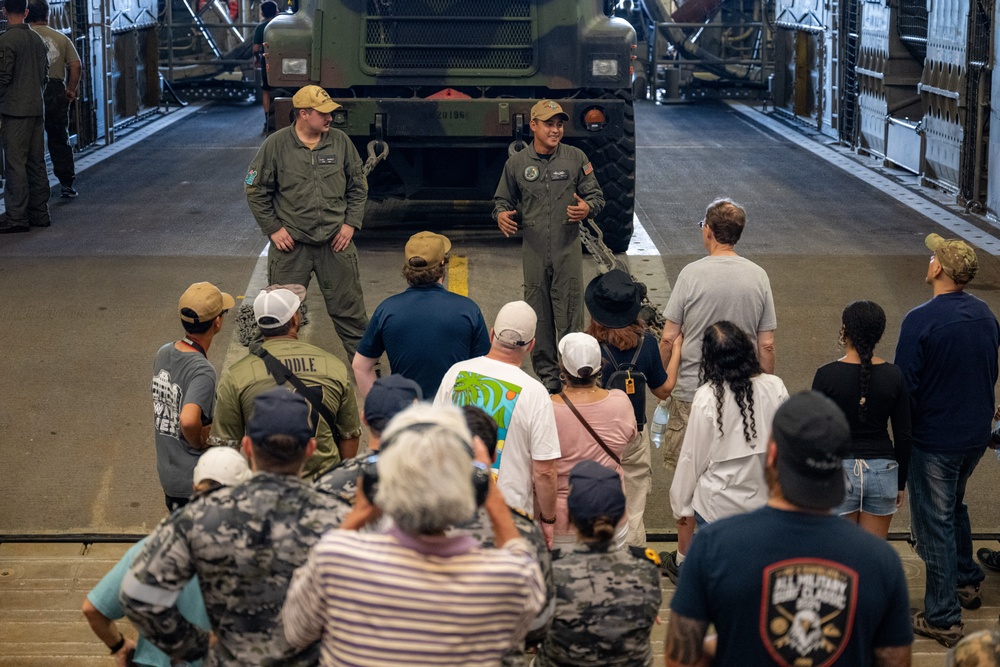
point(420, 120)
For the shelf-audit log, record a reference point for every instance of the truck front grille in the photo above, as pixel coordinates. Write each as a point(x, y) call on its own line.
point(450, 36)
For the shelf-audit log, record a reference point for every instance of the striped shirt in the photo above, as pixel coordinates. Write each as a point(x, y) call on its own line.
point(393, 599)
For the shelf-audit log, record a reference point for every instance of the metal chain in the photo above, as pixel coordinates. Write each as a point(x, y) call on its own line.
point(593, 241)
point(374, 159)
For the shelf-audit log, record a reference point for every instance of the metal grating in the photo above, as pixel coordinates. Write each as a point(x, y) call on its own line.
point(444, 34)
point(427, 36)
point(438, 8)
point(972, 172)
point(911, 27)
point(424, 59)
point(850, 24)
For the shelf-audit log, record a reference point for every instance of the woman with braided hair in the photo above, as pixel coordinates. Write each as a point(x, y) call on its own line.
point(872, 393)
point(720, 471)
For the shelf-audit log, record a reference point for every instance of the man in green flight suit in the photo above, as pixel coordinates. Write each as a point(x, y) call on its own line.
point(307, 191)
point(551, 188)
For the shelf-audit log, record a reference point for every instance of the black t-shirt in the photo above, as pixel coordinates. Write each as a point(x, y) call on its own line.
point(791, 588)
point(888, 399)
point(648, 363)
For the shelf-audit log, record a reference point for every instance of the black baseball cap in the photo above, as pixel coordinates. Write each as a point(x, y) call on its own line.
point(812, 435)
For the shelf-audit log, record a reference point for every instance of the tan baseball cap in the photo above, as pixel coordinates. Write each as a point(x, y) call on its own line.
point(955, 256)
point(428, 246)
point(314, 97)
point(547, 109)
point(203, 302)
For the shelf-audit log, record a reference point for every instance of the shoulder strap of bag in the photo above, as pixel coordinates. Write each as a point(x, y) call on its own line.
point(614, 457)
point(282, 375)
point(610, 357)
point(638, 349)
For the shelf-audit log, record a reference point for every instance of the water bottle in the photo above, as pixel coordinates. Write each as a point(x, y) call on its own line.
point(659, 426)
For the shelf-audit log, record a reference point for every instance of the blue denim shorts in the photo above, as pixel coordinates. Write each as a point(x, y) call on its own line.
point(872, 486)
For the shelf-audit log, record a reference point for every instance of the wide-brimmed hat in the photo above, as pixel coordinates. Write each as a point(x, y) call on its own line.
point(614, 299)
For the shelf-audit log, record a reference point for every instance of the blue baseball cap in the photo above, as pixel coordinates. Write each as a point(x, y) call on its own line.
point(278, 411)
point(389, 396)
point(595, 491)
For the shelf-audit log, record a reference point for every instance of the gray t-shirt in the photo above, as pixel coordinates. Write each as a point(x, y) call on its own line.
point(708, 291)
point(179, 378)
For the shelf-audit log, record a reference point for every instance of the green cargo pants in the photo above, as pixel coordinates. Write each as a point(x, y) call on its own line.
point(26, 195)
point(338, 279)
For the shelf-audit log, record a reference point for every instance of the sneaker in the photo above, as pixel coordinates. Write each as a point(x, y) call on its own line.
point(13, 229)
point(989, 558)
point(69, 192)
point(968, 596)
point(669, 566)
point(944, 636)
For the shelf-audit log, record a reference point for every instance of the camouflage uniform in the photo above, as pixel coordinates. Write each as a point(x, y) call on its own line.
point(606, 605)
point(481, 528)
point(342, 481)
point(540, 189)
point(243, 543)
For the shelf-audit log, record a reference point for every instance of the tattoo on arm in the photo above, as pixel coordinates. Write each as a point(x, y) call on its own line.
point(893, 656)
point(684, 639)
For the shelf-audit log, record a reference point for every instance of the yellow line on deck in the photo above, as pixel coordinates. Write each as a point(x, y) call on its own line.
point(458, 275)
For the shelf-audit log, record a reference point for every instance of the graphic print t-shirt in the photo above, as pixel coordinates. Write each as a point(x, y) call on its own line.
point(522, 409)
point(795, 590)
point(179, 378)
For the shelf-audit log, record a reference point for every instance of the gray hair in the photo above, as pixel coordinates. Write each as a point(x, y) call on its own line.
point(425, 471)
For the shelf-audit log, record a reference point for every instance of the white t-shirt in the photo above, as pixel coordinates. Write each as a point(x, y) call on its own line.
point(522, 409)
point(708, 291)
point(720, 476)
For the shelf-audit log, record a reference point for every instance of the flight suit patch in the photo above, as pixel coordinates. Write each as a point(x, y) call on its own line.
point(588, 169)
point(251, 176)
point(531, 173)
point(328, 158)
point(560, 175)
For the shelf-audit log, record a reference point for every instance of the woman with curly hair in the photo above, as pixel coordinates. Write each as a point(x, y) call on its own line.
point(872, 393)
point(720, 471)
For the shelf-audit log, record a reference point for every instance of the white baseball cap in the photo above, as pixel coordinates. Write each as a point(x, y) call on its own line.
point(274, 309)
point(515, 323)
point(579, 351)
point(223, 465)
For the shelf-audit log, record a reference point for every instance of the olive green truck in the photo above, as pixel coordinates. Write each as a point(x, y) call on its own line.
point(448, 85)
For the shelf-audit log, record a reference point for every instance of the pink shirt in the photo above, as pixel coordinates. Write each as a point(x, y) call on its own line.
point(613, 419)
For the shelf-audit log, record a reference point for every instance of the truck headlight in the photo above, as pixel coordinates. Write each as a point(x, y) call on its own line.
point(604, 67)
point(294, 66)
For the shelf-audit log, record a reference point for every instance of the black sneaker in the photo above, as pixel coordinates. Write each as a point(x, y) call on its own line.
point(944, 636)
point(669, 566)
point(968, 597)
point(13, 229)
point(989, 558)
point(69, 192)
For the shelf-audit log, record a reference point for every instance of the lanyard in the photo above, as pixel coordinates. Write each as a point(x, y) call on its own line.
point(195, 345)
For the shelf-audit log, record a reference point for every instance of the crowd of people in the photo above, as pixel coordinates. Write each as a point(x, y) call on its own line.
point(496, 516)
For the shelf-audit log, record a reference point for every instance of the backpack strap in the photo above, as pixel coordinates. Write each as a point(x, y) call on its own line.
point(614, 457)
point(281, 375)
point(638, 349)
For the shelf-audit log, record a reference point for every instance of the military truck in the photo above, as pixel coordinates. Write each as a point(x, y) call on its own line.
point(448, 86)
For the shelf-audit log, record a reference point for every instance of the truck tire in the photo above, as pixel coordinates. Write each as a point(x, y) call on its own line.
point(614, 166)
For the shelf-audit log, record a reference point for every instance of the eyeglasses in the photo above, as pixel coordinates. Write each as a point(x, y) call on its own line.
point(701, 223)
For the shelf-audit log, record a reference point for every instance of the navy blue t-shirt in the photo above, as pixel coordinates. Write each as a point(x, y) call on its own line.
point(947, 351)
point(792, 588)
point(648, 363)
point(424, 331)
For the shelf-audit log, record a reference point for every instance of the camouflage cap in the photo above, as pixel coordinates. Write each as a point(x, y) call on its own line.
point(980, 649)
point(955, 256)
point(314, 97)
point(202, 302)
point(547, 109)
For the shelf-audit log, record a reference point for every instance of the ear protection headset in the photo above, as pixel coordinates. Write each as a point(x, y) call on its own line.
point(369, 468)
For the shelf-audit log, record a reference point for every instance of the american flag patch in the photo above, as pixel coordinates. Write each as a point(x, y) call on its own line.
point(588, 169)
